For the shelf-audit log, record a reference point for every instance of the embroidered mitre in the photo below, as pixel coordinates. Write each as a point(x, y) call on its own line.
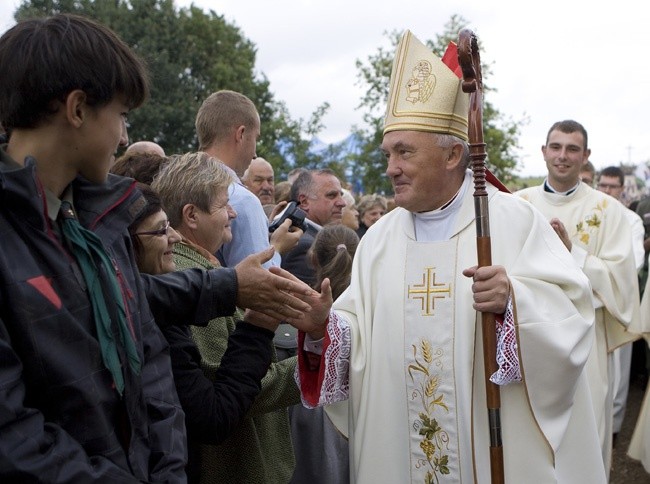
point(425, 94)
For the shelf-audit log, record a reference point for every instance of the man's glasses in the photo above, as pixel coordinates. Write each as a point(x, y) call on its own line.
point(158, 232)
point(608, 186)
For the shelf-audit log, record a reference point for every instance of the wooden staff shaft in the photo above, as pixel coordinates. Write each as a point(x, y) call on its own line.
point(469, 59)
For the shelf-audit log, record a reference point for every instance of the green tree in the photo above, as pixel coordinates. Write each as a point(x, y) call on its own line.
point(190, 54)
point(500, 133)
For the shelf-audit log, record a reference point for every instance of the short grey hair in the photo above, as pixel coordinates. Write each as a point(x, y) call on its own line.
point(449, 140)
point(190, 178)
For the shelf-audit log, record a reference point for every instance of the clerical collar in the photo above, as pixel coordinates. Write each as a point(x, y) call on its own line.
point(550, 189)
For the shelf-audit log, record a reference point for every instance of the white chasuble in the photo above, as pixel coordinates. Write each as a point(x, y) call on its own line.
point(601, 239)
point(429, 353)
point(413, 368)
point(602, 245)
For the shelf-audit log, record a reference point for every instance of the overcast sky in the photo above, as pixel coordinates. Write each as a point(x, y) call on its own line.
point(551, 60)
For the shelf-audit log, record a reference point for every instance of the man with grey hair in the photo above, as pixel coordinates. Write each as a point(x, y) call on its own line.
point(401, 368)
point(259, 179)
point(319, 194)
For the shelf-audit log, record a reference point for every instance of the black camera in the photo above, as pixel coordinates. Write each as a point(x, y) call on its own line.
point(291, 211)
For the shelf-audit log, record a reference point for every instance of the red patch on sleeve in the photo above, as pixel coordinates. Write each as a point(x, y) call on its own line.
point(42, 285)
point(311, 373)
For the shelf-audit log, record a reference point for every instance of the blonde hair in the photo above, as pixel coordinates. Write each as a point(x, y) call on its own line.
point(190, 178)
point(220, 113)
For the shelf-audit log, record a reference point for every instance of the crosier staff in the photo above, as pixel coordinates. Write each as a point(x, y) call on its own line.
point(470, 63)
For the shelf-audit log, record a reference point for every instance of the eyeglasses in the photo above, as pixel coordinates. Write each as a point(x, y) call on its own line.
point(157, 232)
point(608, 186)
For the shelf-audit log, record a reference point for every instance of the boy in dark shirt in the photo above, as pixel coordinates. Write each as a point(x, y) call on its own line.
point(86, 389)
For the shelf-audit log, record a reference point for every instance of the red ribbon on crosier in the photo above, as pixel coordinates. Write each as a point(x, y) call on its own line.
point(450, 59)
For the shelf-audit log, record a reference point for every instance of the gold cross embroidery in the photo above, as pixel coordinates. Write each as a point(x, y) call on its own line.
point(428, 291)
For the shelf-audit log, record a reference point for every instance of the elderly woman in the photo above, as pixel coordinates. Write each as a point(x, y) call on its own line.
point(194, 189)
point(371, 208)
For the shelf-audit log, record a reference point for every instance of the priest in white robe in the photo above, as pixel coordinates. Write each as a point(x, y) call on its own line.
point(595, 229)
point(401, 368)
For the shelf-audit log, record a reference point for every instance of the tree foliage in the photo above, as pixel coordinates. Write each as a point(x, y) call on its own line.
point(190, 54)
point(500, 134)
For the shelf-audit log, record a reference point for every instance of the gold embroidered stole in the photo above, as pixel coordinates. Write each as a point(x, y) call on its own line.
point(429, 334)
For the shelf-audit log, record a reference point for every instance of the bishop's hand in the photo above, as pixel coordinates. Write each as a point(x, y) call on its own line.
point(491, 288)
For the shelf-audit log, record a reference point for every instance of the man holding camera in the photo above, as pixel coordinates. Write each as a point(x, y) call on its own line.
point(319, 194)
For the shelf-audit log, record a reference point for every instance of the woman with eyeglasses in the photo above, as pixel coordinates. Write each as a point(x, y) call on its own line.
point(156, 239)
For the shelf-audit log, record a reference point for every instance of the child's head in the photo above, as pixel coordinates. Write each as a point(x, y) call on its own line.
point(332, 253)
point(43, 60)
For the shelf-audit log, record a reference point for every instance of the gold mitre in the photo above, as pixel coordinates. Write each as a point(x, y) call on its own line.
point(425, 94)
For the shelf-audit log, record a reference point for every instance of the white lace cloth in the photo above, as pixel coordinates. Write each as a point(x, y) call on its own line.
point(507, 356)
point(336, 387)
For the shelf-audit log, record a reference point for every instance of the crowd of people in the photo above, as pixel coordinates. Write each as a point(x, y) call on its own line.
point(153, 328)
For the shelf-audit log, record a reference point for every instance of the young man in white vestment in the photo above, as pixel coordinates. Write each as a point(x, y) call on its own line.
point(401, 365)
point(595, 229)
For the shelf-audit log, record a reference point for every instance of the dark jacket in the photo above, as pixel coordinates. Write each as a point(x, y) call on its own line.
point(215, 407)
point(61, 420)
point(361, 231)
